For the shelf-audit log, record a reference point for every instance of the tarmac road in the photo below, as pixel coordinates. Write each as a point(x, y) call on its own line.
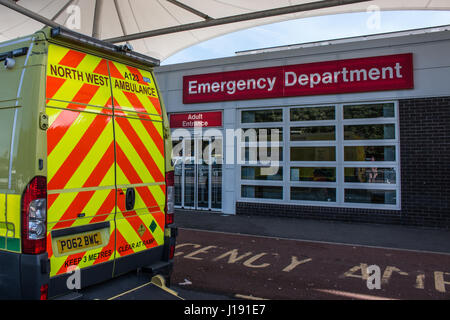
point(253, 267)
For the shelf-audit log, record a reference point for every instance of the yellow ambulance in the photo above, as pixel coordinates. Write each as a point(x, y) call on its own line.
point(86, 181)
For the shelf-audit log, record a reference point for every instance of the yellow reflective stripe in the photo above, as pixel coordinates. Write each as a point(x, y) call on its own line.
point(126, 105)
point(13, 213)
point(77, 76)
point(130, 235)
point(92, 159)
point(134, 157)
point(75, 106)
point(143, 212)
point(92, 207)
point(56, 263)
point(143, 98)
point(3, 227)
point(147, 140)
point(60, 205)
point(91, 256)
point(120, 113)
point(68, 91)
point(66, 145)
point(10, 222)
point(158, 233)
point(159, 195)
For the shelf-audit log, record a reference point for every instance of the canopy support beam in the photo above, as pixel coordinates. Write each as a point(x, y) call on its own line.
point(96, 22)
point(62, 10)
point(190, 9)
point(237, 18)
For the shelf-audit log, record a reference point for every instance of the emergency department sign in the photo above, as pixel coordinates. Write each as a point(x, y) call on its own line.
point(392, 72)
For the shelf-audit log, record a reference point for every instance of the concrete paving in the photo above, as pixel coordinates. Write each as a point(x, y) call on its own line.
point(376, 235)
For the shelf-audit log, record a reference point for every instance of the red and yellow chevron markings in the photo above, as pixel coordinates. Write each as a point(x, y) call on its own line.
point(105, 117)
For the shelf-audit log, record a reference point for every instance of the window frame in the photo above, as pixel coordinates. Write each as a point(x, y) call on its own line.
point(339, 164)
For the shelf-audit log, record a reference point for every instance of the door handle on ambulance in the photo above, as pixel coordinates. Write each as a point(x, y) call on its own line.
point(130, 198)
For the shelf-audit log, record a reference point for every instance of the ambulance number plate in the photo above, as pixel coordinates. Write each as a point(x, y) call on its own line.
point(80, 241)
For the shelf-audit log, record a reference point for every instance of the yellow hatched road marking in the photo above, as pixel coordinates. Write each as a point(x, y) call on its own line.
point(129, 291)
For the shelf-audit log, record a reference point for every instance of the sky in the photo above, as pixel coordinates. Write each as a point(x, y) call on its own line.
point(309, 30)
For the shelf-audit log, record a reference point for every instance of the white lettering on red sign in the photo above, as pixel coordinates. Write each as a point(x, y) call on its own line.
point(231, 87)
point(344, 75)
point(392, 72)
point(191, 120)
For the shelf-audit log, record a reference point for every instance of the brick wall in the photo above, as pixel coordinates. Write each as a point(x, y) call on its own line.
point(424, 169)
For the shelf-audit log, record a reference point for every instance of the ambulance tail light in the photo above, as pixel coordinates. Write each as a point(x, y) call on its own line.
point(170, 198)
point(44, 292)
point(34, 216)
point(171, 251)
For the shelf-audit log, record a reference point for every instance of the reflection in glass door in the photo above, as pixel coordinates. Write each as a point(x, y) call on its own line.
point(178, 172)
point(198, 173)
point(216, 173)
point(189, 173)
point(202, 173)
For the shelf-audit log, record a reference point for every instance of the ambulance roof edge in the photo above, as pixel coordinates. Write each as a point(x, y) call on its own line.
point(63, 33)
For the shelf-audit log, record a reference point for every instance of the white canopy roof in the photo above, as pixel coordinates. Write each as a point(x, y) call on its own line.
point(160, 28)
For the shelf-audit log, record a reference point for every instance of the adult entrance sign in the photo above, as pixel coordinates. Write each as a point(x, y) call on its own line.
point(198, 119)
point(392, 72)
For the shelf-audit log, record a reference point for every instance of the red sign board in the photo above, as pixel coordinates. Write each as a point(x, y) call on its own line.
point(393, 72)
point(198, 119)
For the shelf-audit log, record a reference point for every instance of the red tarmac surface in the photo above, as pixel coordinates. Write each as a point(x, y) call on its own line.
point(271, 268)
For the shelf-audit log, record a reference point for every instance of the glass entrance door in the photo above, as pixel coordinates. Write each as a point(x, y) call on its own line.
point(198, 173)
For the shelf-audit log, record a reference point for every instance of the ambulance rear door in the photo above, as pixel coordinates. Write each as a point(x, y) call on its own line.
point(140, 167)
point(81, 167)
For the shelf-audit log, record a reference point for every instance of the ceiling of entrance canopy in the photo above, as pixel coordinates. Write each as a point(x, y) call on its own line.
point(160, 28)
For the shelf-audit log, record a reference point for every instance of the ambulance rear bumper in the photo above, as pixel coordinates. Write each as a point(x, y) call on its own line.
point(22, 275)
